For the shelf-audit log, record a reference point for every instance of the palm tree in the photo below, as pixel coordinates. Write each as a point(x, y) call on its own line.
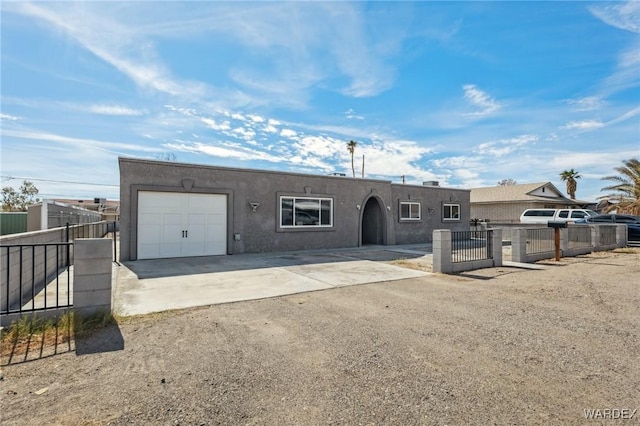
point(570, 176)
point(351, 146)
point(626, 195)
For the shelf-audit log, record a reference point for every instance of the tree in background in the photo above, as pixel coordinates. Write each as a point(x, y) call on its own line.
point(351, 146)
point(570, 177)
point(626, 195)
point(17, 201)
point(507, 182)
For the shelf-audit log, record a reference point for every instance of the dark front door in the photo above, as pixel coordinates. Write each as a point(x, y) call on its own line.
point(372, 223)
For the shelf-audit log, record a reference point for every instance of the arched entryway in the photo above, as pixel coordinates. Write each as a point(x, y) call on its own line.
point(373, 223)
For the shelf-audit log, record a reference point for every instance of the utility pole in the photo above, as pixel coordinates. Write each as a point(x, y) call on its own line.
point(363, 166)
point(402, 178)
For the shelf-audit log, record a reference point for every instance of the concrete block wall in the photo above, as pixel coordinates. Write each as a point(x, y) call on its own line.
point(92, 275)
point(622, 235)
point(442, 259)
point(597, 243)
point(575, 240)
point(442, 251)
point(600, 237)
point(519, 248)
point(31, 266)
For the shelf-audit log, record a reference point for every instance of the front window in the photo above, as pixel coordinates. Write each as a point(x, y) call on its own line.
point(302, 212)
point(451, 212)
point(409, 211)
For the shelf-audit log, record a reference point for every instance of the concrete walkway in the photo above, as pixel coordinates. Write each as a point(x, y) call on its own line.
point(147, 286)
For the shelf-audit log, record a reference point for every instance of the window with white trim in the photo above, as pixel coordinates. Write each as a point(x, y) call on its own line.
point(306, 212)
point(409, 210)
point(451, 212)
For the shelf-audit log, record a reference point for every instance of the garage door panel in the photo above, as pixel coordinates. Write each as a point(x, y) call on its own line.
point(163, 219)
point(171, 250)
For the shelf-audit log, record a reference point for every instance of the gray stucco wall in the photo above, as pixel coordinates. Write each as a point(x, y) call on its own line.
point(259, 231)
point(432, 200)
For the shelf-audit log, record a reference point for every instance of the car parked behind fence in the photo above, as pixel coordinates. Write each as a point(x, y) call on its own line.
point(632, 222)
point(542, 216)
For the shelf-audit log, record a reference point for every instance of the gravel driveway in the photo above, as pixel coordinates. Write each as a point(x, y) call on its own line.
point(500, 345)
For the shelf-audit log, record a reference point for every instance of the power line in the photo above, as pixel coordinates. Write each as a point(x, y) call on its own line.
point(57, 181)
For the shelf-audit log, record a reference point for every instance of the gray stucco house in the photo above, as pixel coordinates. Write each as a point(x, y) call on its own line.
point(171, 209)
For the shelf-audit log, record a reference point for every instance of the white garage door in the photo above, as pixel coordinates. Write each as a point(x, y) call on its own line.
point(178, 225)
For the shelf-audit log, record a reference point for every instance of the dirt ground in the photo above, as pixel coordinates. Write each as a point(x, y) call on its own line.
point(493, 346)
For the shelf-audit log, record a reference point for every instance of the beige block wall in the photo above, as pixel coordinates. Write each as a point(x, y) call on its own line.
point(506, 212)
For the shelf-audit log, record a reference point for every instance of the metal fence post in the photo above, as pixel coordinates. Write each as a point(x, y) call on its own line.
point(68, 252)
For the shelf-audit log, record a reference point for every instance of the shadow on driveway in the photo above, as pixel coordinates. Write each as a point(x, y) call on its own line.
point(172, 267)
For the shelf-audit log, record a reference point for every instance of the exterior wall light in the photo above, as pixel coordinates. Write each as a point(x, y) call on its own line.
point(358, 206)
point(254, 206)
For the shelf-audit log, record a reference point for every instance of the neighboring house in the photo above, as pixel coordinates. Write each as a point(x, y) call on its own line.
point(505, 204)
point(53, 214)
point(175, 210)
point(108, 209)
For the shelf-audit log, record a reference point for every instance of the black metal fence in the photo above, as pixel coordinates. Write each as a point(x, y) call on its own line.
point(539, 240)
point(467, 246)
point(36, 277)
point(94, 230)
point(87, 230)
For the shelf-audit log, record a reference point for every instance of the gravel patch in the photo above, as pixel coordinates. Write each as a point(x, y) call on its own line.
point(493, 346)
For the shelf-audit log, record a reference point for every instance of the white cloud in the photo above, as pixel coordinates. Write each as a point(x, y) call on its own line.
point(212, 124)
point(588, 103)
point(583, 125)
point(288, 133)
point(235, 151)
point(319, 146)
point(481, 100)
point(244, 133)
point(468, 178)
point(624, 117)
point(270, 127)
point(391, 159)
point(79, 143)
point(625, 16)
point(115, 44)
point(626, 74)
point(255, 118)
point(9, 117)
point(504, 147)
point(352, 116)
point(115, 110)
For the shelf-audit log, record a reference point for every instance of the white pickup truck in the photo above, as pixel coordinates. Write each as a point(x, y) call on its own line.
point(554, 215)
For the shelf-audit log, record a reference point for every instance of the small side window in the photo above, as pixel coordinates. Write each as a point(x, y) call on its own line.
point(563, 214)
point(451, 212)
point(409, 210)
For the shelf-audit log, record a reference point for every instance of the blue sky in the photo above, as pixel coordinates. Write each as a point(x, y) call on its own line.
point(465, 93)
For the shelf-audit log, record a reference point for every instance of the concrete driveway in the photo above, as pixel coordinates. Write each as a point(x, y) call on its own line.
point(147, 286)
